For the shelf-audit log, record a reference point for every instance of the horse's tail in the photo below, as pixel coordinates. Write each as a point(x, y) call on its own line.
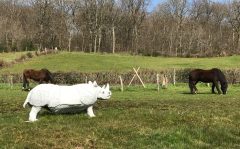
point(191, 76)
point(24, 80)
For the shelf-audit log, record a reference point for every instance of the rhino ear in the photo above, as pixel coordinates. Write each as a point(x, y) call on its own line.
point(107, 87)
point(90, 82)
point(95, 84)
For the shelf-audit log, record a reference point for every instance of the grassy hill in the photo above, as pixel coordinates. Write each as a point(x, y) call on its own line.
point(82, 62)
point(8, 57)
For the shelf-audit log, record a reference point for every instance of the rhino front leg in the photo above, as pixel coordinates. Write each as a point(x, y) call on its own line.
point(90, 111)
point(33, 113)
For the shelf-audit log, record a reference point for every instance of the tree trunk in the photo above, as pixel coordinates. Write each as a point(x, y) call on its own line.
point(69, 43)
point(99, 39)
point(238, 43)
point(91, 42)
point(233, 40)
point(210, 44)
point(95, 43)
point(83, 42)
point(113, 40)
point(180, 43)
point(60, 41)
point(7, 42)
point(136, 40)
point(171, 43)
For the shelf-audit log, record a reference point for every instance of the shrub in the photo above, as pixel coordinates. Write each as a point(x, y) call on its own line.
point(1, 63)
point(22, 58)
point(4, 64)
point(29, 55)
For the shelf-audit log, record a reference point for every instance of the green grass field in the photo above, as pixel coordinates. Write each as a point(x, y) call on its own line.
point(82, 62)
point(135, 118)
point(8, 57)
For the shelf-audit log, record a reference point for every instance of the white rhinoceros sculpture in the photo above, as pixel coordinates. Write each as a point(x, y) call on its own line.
point(65, 99)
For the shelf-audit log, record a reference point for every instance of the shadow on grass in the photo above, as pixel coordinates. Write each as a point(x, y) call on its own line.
point(201, 93)
point(47, 113)
point(27, 89)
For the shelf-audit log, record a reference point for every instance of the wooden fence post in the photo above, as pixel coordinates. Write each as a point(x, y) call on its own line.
point(158, 82)
point(174, 77)
point(133, 77)
point(164, 81)
point(139, 77)
point(10, 81)
point(121, 81)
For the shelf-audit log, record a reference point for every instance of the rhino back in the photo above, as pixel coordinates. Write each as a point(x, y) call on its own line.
point(54, 95)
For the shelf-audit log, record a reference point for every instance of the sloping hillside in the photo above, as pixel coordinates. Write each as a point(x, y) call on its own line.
point(8, 57)
point(82, 62)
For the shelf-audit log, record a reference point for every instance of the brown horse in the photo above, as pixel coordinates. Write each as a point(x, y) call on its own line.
point(208, 76)
point(39, 76)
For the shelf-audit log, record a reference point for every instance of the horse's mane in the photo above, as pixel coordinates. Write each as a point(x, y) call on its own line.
point(49, 74)
point(220, 75)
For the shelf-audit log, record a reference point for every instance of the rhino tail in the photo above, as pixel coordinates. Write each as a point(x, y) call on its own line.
point(27, 100)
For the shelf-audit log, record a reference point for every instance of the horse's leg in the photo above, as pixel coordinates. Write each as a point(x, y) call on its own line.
point(33, 113)
point(28, 86)
point(191, 86)
point(195, 87)
point(41, 81)
point(24, 84)
point(217, 86)
point(213, 86)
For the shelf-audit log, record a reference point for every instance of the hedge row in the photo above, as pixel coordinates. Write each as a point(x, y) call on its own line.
point(26, 56)
point(148, 76)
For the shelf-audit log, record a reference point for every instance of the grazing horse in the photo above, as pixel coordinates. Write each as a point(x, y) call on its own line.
point(208, 76)
point(40, 76)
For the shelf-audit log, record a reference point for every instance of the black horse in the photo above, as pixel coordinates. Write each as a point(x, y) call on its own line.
point(40, 76)
point(208, 76)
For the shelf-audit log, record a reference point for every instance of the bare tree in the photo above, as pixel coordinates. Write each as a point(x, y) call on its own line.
point(234, 20)
point(174, 28)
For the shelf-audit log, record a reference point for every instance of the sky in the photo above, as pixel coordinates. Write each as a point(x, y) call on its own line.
point(153, 4)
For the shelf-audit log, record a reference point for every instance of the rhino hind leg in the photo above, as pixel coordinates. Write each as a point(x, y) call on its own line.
point(33, 113)
point(90, 111)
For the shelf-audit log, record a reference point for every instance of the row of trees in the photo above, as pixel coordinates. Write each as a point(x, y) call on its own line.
point(174, 28)
point(194, 28)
